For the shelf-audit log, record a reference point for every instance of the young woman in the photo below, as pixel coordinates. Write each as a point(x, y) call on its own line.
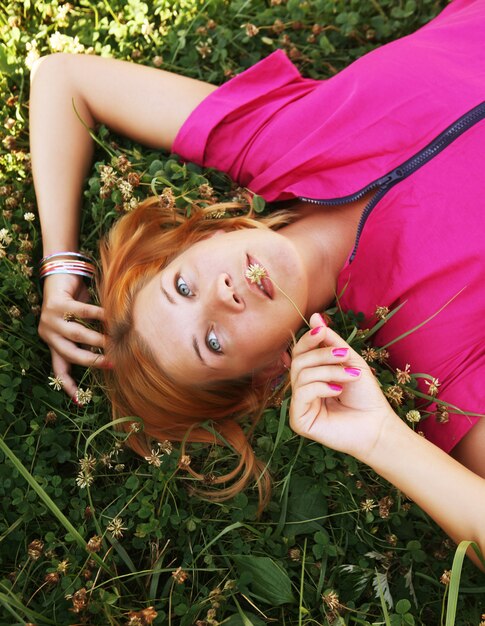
point(382, 165)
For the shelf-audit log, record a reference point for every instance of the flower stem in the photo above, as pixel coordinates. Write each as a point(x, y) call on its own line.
point(290, 299)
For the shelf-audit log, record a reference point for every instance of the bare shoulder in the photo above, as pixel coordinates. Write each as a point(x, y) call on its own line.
point(470, 451)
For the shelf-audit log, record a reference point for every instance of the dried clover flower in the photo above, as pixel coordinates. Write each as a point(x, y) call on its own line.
point(442, 415)
point(382, 312)
point(395, 394)
point(94, 544)
point(35, 549)
point(403, 376)
point(445, 577)
point(184, 461)
point(331, 599)
point(433, 386)
point(385, 505)
point(180, 575)
point(251, 29)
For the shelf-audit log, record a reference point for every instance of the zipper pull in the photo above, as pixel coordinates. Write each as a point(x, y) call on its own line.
point(392, 177)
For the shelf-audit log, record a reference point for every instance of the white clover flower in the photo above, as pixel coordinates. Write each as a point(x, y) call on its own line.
point(255, 273)
point(116, 528)
point(32, 53)
point(155, 458)
point(5, 237)
point(87, 464)
point(126, 189)
point(29, 217)
point(84, 396)
point(56, 382)
point(84, 480)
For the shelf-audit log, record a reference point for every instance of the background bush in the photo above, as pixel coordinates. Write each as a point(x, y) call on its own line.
point(90, 534)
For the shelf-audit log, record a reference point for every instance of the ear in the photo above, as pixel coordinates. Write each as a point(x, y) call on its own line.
point(272, 370)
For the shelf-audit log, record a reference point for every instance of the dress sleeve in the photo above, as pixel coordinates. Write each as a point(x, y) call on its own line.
point(221, 129)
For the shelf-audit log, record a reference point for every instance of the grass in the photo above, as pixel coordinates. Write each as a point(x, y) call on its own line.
point(103, 544)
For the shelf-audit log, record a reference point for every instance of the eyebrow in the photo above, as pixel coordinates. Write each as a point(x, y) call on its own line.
point(195, 343)
point(167, 295)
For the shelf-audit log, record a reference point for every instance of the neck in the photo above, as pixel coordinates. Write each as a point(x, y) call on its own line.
point(324, 237)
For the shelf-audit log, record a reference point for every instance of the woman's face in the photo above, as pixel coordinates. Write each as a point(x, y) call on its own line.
point(203, 318)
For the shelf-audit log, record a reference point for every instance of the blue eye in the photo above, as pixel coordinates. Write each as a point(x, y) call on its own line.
point(182, 288)
point(213, 343)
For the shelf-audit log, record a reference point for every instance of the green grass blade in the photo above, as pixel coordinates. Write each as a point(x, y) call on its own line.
point(454, 586)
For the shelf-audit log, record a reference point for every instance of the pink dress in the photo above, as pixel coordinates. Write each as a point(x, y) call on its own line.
point(423, 240)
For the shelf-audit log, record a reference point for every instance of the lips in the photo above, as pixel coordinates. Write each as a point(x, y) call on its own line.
point(264, 286)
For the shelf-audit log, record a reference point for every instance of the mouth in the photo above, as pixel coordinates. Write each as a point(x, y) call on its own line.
point(263, 286)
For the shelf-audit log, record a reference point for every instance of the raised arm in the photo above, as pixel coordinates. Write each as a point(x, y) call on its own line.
point(144, 104)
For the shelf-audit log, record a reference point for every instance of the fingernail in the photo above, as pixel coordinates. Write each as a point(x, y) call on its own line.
point(315, 331)
point(334, 387)
point(352, 371)
point(323, 319)
point(75, 400)
point(340, 351)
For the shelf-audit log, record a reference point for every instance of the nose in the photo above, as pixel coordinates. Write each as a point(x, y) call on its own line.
point(225, 294)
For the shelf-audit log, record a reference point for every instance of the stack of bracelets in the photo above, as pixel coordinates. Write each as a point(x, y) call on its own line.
point(67, 263)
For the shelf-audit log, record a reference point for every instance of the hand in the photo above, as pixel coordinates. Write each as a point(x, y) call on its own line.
point(64, 295)
point(336, 399)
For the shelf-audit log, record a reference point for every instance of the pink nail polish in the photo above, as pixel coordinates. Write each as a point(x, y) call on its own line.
point(75, 400)
point(334, 387)
point(352, 371)
point(340, 351)
point(315, 331)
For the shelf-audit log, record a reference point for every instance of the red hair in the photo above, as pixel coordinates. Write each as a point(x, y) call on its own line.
point(137, 247)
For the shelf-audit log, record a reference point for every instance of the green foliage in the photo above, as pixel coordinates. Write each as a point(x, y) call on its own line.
point(88, 532)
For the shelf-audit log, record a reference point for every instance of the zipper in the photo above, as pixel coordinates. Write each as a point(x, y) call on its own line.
point(384, 183)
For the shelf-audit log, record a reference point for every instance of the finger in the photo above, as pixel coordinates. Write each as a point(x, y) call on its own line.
point(328, 374)
point(322, 335)
point(80, 334)
point(74, 354)
point(86, 311)
point(317, 357)
point(62, 370)
point(307, 402)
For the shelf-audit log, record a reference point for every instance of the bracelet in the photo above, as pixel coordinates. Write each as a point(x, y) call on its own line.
point(67, 263)
point(68, 254)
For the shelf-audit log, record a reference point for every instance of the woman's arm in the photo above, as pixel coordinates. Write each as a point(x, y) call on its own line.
point(145, 104)
point(354, 417)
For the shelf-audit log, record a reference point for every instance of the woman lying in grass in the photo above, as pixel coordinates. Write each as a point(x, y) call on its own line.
point(381, 171)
